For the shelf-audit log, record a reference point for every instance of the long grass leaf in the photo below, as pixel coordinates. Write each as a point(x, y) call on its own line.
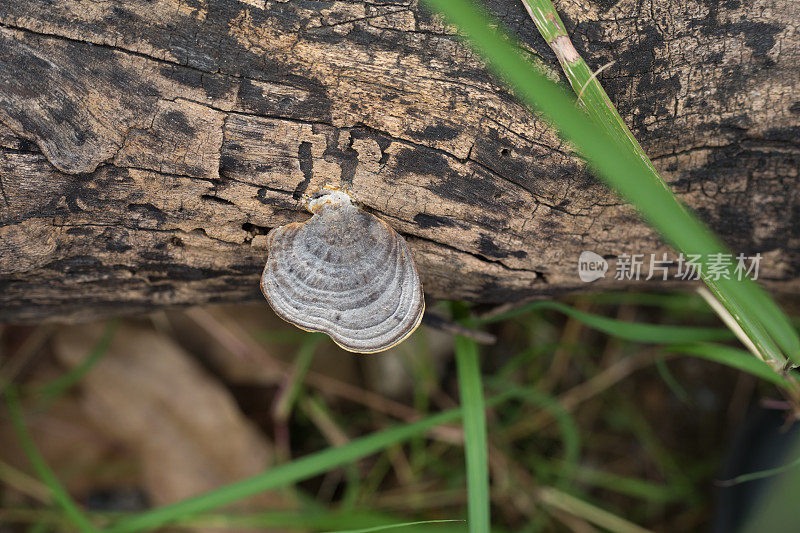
point(762, 317)
point(305, 355)
point(58, 386)
point(671, 381)
point(637, 488)
point(295, 471)
point(622, 168)
point(680, 302)
point(396, 526)
point(761, 474)
point(774, 506)
point(306, 520)
point(475, 442)
point(632, 331)
point(733, 357)
point(587, 511)
point(567, 426)
point(41, 467)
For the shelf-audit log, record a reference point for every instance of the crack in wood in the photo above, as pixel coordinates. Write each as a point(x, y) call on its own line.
point(200, 134)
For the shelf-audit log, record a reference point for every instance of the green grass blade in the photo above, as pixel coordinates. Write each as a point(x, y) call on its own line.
point(631, 331)
point(58, 386)
point(775, 505)
point(776, 320)
point(761, 474)
point(396, 526)
point(587, 511)
point(671, 381)
point(525, 356)
point(680, 302)
point(44, 472)
point(733, 357)
point(752, 327)
point(305, 355)
point(763, 318)
point(627, 414)
point(636, 488)
point(288, 473)
point(475, 442)
point(304, 519)
point(567, 426)
point(621, 167)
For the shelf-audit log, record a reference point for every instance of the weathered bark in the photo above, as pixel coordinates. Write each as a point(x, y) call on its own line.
point(148, 146)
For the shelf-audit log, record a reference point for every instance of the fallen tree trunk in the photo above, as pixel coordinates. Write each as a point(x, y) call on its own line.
point(147, 147)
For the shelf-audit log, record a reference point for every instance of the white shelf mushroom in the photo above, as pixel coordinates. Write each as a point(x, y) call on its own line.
point(346, 273)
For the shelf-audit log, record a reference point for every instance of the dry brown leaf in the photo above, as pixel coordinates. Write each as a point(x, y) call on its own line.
point(83, 457)
point(149, 394)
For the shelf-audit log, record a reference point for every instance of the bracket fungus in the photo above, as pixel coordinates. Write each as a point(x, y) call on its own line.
point(346, 273)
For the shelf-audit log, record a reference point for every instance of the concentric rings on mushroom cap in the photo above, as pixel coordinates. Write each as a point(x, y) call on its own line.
point(345, 273)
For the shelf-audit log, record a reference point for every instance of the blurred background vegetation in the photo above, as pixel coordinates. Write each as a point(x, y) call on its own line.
point(143, 412)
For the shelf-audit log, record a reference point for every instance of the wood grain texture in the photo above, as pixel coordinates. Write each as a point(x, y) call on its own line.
point(146, 147)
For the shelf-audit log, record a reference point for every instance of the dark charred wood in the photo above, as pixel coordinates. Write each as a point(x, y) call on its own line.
point(146, 147)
